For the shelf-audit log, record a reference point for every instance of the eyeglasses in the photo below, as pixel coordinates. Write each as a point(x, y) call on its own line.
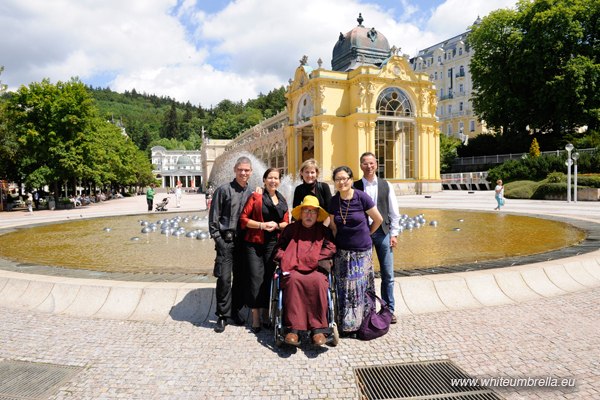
point(342, 180)
point(312, 212)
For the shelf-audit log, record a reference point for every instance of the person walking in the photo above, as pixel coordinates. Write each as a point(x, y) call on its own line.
point(264, 216)
point(499, 194)
point(150, 196)
point(223, 225)
point(178, 192)
point(29, 203)
point(385, 237)
point(352, 210)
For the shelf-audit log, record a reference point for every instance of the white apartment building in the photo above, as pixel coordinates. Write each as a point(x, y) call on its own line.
point(447, 64)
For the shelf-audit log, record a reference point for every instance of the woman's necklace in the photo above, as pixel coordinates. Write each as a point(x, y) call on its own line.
point(342, 216)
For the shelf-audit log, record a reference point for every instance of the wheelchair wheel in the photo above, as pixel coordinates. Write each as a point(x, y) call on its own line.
point(278, 336)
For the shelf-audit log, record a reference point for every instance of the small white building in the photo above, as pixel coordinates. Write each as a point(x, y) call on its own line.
point(173, 165)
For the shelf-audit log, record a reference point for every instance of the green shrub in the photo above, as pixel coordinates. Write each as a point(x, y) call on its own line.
point(520, 189)
point(546, 189)
point(588, 181)
point(556, 177)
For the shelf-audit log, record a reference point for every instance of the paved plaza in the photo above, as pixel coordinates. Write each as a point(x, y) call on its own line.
point(533, 321)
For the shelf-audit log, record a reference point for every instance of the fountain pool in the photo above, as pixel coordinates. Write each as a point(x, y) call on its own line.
point(460, 237)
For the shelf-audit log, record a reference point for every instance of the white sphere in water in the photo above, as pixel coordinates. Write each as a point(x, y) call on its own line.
point(144, 223)
point(456, 229)
point(191, 234)
point(146, 229)
point(107, 229)
point(203, 235)
point(461, 220)
point(134, 239)
point(433, 223)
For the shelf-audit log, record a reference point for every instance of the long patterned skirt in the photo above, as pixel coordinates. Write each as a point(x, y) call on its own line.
point(354, 276)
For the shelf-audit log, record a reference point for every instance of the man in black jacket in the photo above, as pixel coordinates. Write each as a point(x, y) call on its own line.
point(227, 204)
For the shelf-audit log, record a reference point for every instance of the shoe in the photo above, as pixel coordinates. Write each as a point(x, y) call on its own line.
point(291, 338)
point(394, 319)
point(255, 329)
point(237, 319)
point(319, 339)
point(221, 322)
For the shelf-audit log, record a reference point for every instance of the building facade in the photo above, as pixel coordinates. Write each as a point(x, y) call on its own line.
point(171, 166)
point(371, 100)
point(447, 65)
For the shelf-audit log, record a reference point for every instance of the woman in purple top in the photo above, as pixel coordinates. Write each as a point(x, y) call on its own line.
point(353, 268)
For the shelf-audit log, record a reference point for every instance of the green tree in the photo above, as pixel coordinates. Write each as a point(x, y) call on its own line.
point(51, 123)
point(539, 67)
point(534, 149)
point(170, 129)
point(448, 152)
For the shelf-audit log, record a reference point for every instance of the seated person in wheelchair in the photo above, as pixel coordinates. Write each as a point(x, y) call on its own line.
point(304, 252)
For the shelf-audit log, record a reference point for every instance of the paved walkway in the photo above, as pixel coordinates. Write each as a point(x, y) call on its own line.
point(529, 321)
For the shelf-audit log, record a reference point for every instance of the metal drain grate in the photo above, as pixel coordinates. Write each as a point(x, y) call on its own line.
point(32, 381)
point(423, 380)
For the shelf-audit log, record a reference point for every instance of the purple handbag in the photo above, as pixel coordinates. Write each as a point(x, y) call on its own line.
point(376, 323)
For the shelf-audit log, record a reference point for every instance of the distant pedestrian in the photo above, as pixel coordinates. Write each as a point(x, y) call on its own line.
point(178, 191)
point(36, 199)
point(150, 196)
point(499, 194)
point(29, 202)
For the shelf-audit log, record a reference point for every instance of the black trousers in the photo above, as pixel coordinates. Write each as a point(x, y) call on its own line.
point(150, 201)
point(230, 273)
point(260, 273)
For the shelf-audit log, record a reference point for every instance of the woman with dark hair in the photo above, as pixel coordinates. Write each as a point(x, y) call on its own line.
point(264, 216)
point(309, 174)
point(353, 262)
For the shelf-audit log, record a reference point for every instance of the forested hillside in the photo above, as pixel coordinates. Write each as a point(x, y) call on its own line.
point(150, 120)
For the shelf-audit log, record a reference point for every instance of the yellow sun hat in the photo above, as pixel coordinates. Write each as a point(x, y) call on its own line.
point(310, 201)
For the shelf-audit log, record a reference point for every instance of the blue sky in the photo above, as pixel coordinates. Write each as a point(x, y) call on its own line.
point(204, 51)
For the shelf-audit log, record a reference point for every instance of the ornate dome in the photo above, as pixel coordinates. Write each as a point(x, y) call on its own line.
point(359, 46)
point(184, 161)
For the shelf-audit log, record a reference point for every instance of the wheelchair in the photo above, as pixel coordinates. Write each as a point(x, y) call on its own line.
point(276, 308)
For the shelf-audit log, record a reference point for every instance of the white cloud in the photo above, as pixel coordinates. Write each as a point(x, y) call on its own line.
point(454, 16)
point(172, 48)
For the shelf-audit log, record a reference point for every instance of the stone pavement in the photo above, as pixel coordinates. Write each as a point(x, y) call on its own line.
point(535, 321)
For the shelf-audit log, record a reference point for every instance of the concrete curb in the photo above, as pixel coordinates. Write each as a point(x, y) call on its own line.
point(194, 302)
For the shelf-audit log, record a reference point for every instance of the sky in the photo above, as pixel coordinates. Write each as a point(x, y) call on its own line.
point(204, 51)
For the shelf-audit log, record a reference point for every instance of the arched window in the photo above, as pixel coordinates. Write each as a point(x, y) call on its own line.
point(395, 135)
point(394, 103)
point(305, 109)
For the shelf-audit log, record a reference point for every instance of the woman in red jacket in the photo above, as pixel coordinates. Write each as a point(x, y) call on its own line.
point(264, 217)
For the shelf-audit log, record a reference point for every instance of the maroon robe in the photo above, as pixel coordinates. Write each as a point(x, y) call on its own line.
point(304, 285)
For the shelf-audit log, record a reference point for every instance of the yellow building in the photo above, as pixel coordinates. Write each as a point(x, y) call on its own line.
point(371, 100)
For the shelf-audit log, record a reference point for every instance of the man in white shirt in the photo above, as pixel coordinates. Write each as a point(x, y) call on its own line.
point(386, 237)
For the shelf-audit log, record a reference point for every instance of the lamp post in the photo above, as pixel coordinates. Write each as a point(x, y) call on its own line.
point(575, 156)
point(569, 148)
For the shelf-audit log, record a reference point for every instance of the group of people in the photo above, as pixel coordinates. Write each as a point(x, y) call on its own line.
point(254, 230)
point(151, 192)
